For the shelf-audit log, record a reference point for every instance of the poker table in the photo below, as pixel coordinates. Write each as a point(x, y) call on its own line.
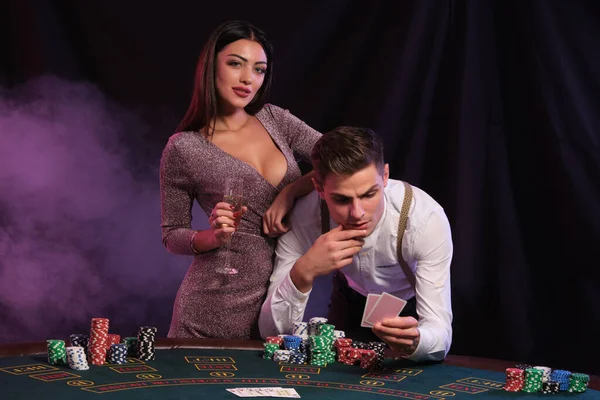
point(205, 368)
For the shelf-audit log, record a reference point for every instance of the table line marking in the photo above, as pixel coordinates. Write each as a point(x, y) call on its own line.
point(262, 381)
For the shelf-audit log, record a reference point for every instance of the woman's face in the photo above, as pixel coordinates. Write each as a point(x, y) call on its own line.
point(240, 72)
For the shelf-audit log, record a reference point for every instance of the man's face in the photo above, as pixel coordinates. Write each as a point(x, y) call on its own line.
point(355, 201)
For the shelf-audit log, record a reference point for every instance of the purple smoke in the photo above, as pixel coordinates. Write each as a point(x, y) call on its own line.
point(79, 222)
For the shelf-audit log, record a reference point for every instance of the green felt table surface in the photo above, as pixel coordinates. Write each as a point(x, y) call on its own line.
point(192, 373)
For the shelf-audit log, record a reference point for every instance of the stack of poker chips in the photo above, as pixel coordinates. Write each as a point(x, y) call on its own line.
point(270, 349)
point(79, 340)
point(131, 343)
point(57, 353)
point(321, 352)
point(515, 379)
point(313, 325)
point(379, 349)
point(300, 329)
point(117, 354)
point(327, 334)
point(550, 387)
point(366, 354)
point(145, 343)
point(578, 383)
point(113, 339)
point(98, 342)
point(282, 355)
point(533, 380)
point(341, 346)
point(562, 377)
point(546, 371)
point(318, 343)
point(543, 379)
point(76, 358)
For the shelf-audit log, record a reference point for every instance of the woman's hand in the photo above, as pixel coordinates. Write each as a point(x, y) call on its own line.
point(273, 224)
point(223, 221)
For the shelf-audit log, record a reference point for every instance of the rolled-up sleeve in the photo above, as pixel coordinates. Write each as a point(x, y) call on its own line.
point(433, 249)
point(284, 304)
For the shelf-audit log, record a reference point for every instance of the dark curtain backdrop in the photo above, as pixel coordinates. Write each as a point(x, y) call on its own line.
point(489, 106)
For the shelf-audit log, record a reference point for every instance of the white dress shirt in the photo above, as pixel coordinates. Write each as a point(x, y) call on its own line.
point(426, 247)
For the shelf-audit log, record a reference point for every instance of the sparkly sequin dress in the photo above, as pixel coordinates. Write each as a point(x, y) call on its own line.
point(209, 304)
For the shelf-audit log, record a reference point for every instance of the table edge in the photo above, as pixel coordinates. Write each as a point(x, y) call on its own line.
point(35, 348)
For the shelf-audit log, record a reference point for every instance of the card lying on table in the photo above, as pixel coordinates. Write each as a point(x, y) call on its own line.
point(387, 306)
point(265, 392)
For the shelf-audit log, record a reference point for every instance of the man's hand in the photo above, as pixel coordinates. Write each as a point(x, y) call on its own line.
point(331, 251)
point(400, 333)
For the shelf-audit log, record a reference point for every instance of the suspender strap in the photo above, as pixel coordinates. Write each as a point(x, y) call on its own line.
point(408, 195)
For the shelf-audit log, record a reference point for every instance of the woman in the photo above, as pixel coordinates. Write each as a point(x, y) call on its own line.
point(228, 130)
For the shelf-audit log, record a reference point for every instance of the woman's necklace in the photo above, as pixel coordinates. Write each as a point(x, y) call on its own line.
point(234, 130)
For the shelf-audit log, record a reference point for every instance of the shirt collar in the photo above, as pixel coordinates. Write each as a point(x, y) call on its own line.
point(371, 240)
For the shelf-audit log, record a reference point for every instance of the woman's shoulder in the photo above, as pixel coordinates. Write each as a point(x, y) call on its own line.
point(180, 141)
point(272, 111)
point(184, 137)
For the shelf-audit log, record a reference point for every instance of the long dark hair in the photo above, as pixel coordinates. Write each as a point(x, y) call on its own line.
point(203, 107)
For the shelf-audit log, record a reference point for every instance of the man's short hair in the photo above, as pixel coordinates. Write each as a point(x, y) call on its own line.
point(346, 150)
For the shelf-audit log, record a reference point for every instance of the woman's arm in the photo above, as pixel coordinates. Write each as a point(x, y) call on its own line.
point(273, 224)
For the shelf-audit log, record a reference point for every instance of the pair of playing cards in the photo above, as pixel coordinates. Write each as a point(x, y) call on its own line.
point(381, 306)
point(289, 393)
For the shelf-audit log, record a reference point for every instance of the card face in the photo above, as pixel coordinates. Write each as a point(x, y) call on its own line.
point(387, 306)
point(265, 392)
point(371, 300)
point(289, 393)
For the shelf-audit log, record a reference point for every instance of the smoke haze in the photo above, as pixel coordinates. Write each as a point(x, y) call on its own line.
point(79, 217)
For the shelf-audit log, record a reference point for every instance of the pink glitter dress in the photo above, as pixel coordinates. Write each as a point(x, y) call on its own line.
point(209, 304)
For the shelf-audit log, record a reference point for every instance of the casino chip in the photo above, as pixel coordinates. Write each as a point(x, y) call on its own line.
point(145, 344)
point(131, 343)
point(98, 342)
point(578, 383)
point(515, 379)
point(100, 347)
point(319, 343)
point(117, 354)
point(79, 340)
point(542, 379)
point(76, 358)
point(57, 353)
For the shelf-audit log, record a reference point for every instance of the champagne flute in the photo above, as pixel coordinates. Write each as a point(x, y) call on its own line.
point(234, 188)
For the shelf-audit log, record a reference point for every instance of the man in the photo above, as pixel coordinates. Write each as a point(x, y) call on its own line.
point(371, 217)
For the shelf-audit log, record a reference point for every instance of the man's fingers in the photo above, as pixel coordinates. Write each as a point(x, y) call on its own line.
point(347, 253)
point(346, 244)
point(346, 235)
point(397, 333)
point(394, 341)
point(400, 323)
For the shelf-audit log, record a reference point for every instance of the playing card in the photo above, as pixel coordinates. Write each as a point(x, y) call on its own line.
point(265, 392)
point(371, 300)
point(242, 392)
point(289, 393)
point(387, 306)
